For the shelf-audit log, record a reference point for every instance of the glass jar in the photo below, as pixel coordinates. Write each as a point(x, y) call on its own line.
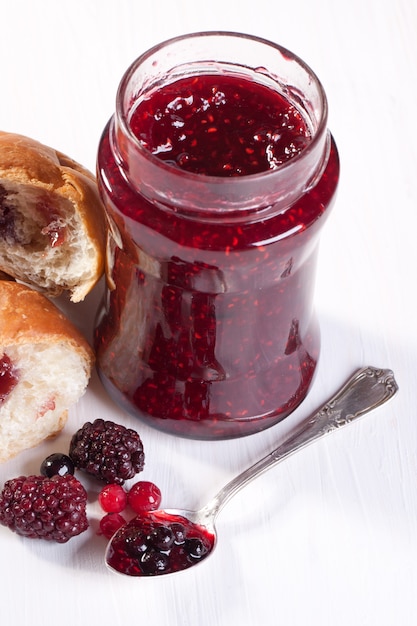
point(207, 329)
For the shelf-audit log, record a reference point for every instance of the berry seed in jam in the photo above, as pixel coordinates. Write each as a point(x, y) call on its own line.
point(158, 543)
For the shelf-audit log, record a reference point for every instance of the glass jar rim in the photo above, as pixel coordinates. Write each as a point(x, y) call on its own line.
point(317, 144)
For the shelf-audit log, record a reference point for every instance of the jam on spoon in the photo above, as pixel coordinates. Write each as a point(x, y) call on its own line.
point(158, 543)
point(164, 542)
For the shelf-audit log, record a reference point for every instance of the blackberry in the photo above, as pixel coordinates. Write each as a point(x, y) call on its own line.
point(44, 508)
point(107, 451)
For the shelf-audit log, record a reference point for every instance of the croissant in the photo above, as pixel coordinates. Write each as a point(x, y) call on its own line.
point(52, 222)
point(45, 366)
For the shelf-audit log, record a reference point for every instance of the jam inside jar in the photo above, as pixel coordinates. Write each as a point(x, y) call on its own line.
point(217, 177)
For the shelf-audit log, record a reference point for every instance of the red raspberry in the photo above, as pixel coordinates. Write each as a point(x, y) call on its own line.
point(44, 508)
point(144, 496)
point(112, 498)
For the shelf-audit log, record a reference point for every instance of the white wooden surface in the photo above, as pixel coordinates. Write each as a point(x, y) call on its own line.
point(329, 537)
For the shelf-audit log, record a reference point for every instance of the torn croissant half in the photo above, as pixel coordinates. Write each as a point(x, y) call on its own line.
point(45, 367)
point(52, 222)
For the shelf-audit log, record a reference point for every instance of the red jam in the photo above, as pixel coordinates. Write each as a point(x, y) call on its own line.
point(158, 543)
point(208, 329)
point(220, 126)
point(7, 218)
point(8, 377)
point(56, 227)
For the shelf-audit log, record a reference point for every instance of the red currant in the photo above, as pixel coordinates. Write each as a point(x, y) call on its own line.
point(112, 498)
point(110, 524)
point(144, 496)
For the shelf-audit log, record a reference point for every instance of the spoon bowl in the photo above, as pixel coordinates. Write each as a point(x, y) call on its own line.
point(172, 540)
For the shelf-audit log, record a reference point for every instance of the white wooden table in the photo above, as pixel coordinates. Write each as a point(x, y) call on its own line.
point(329, 537)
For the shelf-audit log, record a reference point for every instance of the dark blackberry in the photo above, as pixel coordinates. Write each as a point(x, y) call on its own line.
point(44, 508)
point(108, 451)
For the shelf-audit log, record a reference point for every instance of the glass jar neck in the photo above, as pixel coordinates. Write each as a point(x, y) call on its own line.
point(200, 195)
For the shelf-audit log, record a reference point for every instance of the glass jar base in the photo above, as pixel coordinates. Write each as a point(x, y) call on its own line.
point(213, 428)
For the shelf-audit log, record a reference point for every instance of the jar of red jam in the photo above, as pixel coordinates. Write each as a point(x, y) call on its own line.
point(218, 173)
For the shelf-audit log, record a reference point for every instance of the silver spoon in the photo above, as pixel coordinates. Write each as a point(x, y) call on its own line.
point(138, 549)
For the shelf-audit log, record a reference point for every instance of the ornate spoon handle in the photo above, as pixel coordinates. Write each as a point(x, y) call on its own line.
point(367, 389)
